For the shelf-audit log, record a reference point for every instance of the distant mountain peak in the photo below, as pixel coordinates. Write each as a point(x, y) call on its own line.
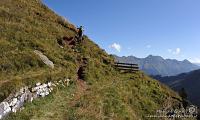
point(150, 56)
point(154, 57)
point(186, 61)
point(156, 65)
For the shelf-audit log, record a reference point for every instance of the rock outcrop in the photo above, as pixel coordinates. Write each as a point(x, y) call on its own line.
point(16, 101)
point(44, 58)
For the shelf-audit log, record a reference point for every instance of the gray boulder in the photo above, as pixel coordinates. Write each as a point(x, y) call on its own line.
point(44, 58)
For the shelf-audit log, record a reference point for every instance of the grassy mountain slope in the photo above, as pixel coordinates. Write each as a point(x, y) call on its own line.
point(189, 81)
point(28, 25)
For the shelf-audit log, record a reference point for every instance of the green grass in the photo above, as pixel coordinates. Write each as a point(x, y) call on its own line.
point(23, 31)
point(28, 25)
point(48, 108)
point(128, 96)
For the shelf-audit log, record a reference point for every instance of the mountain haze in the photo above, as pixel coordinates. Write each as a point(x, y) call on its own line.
point(156, 65)
point(197, 64)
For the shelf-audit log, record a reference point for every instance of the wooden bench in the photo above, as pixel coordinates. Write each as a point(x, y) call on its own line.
point(126, 67)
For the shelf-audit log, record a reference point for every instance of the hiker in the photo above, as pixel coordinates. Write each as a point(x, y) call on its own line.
point(80, 33)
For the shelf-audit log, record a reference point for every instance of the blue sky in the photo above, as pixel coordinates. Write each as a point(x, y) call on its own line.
point(168, 28)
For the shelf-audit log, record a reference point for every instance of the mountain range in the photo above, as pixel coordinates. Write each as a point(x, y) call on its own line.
point(156, 65)
point(189, 81)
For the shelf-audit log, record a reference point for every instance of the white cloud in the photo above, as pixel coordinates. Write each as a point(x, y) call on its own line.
point(148, 46)
point(177, 51)
point(195, 60)
point(116, 46)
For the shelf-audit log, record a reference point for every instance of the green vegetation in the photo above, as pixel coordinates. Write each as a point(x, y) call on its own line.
point(25, 27)
point(28, 25)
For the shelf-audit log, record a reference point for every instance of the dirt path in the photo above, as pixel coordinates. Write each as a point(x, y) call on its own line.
point(80, 91)
point(81, 85)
